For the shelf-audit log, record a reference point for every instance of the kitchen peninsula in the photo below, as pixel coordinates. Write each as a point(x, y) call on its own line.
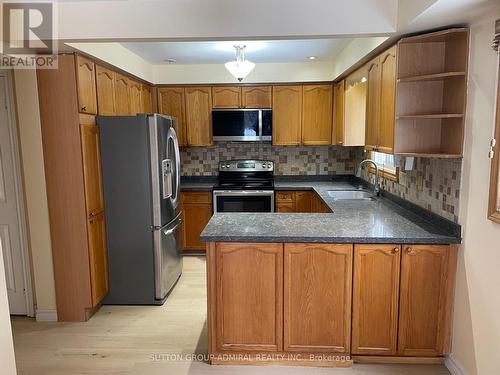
point(372, 281)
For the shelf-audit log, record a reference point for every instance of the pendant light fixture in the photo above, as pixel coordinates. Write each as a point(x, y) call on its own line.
point(240, 68)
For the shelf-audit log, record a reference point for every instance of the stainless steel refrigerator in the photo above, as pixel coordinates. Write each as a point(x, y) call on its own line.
point(141, 177)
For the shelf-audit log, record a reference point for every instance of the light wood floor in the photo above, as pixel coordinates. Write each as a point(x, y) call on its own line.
point(137, 340)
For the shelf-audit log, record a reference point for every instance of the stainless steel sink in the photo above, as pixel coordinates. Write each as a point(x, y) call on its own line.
point(340, 195)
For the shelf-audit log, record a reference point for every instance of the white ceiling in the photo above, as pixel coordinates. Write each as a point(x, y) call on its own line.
point(269, 51)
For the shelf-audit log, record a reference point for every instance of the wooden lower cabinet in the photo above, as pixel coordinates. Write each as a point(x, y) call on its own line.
point(299, 201)
point(378, 302)
point(197, 211)
point(249, 296)
point(317, 298)
point(426, 299)
point(98, 257)
point(375, 299)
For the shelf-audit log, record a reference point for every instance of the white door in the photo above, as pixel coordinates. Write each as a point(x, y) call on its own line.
point(10, 221)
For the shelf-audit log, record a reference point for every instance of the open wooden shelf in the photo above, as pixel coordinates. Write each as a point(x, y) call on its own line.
point(432, 77)
point(430, 116)
point(431, 94)
point(430, 155)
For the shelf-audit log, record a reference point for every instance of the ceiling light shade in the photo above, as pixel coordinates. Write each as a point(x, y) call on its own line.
point(240, 68)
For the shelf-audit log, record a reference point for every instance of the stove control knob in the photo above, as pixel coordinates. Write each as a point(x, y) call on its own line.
point(269, 165)
point(227, 165)
point(263, 165)
point(223, 166)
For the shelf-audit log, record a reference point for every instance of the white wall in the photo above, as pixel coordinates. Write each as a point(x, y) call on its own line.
point(233, 19)
point(476, 332)
point(30, 139)
point(264, 72)
point(119, 56)
point(353, 52)
point(7, 359)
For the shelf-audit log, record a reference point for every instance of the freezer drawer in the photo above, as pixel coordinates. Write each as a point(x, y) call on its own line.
point(167, 257)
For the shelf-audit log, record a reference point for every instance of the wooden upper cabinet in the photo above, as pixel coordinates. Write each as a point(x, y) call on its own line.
point(199, 115)
point(147, 99)
point(317, 298)
point(287, 115)
point(135, 98)
point(92, 169)
point(373, 105)
point(226, 97)
point(387, 100)
point(256, 97)
point(98, 258)
point(339, 113)
point(375, 299)
point(317, 115)
point(122, 95)
point(427, 279)
point(249, 296)
point(105, 91)
point(171, 102)
point(86, 83)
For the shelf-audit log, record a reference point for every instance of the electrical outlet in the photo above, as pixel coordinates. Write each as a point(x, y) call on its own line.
point(403, 178)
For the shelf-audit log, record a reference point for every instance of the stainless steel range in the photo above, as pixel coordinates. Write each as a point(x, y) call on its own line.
point(244, 186)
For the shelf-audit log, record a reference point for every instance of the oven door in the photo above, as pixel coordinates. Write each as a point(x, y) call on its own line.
point(243, 201)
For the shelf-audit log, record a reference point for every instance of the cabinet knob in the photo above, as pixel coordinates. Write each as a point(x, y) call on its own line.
point(395, 250)
point(409, 250)
point(84, 108)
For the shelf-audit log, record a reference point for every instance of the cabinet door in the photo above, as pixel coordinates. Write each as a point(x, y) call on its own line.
point(199, 116)
point(135, 98)
point(226, 97)
point(171, 103)
point(285, 207)
point(317, 302)
point(98, 258)
point(427, 278)
point(317, 115)
point(122, 97)
point(147, 100)
point(256, 97)
point(339, 113)
point(375, 299)
point(372, 105)
point(197, 208)
point(249, 287)
point(317, 204)
point(287, 115)
point(92, 168)
point(85, 77)
point(387, 100)
point(105, 91)
point(303, 201)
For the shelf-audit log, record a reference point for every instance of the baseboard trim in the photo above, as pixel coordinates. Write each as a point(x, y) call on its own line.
point(454, 366)
point(46, 315)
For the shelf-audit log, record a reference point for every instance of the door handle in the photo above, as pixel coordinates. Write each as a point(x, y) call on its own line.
point(168, 232)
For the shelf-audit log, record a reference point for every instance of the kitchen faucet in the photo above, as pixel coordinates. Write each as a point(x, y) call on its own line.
point(376, 189)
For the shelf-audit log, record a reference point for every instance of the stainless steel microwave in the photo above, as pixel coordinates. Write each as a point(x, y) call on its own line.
point(242, 124)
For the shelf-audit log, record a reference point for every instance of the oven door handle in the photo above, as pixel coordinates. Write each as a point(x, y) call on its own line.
point(242, 193)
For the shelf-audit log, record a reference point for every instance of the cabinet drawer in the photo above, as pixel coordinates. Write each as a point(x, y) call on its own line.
point(285, 207)
point(197, 197)
point(285, 196)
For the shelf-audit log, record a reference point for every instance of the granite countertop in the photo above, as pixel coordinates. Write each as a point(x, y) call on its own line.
point(196, 183)
point(363, 221)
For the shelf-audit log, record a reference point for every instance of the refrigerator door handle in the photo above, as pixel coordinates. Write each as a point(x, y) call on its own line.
point(166, 167)
point(168, 232)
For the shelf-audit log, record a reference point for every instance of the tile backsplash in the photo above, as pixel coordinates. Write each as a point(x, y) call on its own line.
point(303, 160)
point(433, 184)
